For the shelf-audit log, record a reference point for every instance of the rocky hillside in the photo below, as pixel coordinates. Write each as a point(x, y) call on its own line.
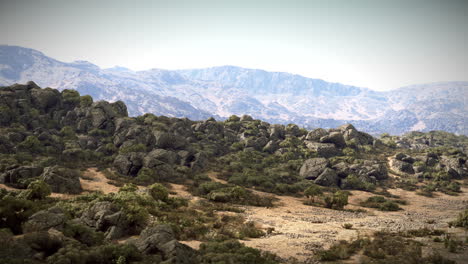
point(48, 137)
point(271, 96)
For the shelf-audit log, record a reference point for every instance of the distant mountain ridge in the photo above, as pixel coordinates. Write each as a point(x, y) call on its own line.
point(271, 96)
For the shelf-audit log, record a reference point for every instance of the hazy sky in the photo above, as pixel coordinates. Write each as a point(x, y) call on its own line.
point(376, 44)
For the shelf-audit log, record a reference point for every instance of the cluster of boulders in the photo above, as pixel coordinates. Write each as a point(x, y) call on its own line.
point(160, 239)
point(417, 165)
point(106, 217)
point(60, 179)
point(73, 126)
point(323, 173)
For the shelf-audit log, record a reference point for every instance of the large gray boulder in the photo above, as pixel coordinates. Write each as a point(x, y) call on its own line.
point(454, 166)
point(53, 217)
point(402, 166)
point(316, 134)
point(17, 177)
point(256, 143)
point(271, 146)
point(62, 180)
point(312, 168)
point(45, 99)
point(334, 138)
point(163, 155)
point(277, 132)
point(107, 217)
point(129, 163)
point(326, 150)
point(161, 240)
point(327, 178)
point(167, 140)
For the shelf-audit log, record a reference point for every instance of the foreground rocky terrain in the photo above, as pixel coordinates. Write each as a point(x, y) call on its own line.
point(81, 182)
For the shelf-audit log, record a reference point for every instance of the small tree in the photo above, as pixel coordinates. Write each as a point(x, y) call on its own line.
point(37, 190)
point(312, 191)
point(31, 144)
point(340, 199)
point(158, 192)
point(337, 201)
point(128, 187)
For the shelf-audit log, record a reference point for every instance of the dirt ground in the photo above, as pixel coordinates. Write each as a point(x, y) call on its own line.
point(300, 229)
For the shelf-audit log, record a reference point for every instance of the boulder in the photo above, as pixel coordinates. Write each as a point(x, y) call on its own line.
point(402, 166)
point(379, 171)
point(312, 168)
point(293, 130)
point(316, 134)
point(327, 178)
point(342, 169)
point(271, 146)
point(404, 157)
point(163, 155)
point(167, 140)
point(53, 217)
point(454, 166)
point(107, 217)
point(246, 118)
point(17, 177)
point(62, 180)
point(334, 138)
point(129, 163)
point(277, 132)
point(161, 240)
point(199, 161)
point(45, 99)
point(256, 143)
point(326, 150)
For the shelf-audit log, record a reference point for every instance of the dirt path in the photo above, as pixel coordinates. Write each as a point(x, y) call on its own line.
point(94, 180)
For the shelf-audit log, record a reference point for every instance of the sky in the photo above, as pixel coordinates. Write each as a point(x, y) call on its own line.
point(376, 44)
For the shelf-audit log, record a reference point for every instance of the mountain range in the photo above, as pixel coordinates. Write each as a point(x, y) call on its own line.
point(275, 97)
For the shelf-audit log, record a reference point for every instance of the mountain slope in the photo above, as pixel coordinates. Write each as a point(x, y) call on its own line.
point(226, 90)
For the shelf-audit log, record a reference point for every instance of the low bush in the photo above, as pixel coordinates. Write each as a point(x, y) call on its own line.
point(381, 203)
point(462, 220)
point(232, 251)
point(336, 201)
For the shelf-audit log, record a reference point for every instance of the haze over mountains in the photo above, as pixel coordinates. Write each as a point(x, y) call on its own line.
point(271, 96)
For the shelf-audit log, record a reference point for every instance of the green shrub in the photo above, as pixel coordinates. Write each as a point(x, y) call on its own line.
point(341, 250)
point(86, 101)
point(31, 144)
point(249, 230)
point(313, 191)
point(146, 176)
point(83, 233)
point(132, 148)
point(37, 190)
point(352, 182)
point(43, 242)
point(68, 133)
point(389, 206)
point(158, 192)
point(71, 97)
point(462, 220)
point(14, 211)
point(231, 251)
point(337, 201)
point(392, 247)
point(128, 187)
